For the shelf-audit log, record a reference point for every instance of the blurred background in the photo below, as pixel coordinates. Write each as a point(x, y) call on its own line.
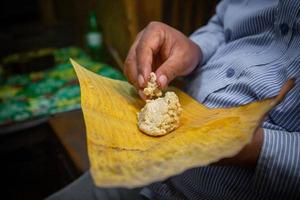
point(42, 133)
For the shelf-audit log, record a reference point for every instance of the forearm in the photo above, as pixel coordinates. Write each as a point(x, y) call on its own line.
point(277, 171)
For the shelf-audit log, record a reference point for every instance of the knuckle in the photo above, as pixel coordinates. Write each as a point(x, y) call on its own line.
point(139, 34)
point(154, 24)
point(155, 29)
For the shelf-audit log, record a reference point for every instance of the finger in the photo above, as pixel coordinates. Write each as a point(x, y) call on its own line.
point(146, 49)
point(142, 95)
point(167, 72)
point(130, 65)
point(130, 70)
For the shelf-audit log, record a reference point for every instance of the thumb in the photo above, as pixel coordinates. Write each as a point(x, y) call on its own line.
point(166, 73)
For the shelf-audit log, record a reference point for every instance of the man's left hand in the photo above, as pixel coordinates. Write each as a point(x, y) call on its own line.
point(249, 155)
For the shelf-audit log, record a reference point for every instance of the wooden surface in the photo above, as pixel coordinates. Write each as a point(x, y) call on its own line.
point(70, 130)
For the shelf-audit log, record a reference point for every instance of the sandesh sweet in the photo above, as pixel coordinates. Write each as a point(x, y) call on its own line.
point(161, 115)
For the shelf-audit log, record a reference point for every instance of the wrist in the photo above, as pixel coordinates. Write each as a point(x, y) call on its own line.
point(249, 155)
point(198, 53)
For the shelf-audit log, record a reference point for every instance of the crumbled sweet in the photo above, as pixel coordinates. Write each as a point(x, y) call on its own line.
point(152, 89)
point(159, 116)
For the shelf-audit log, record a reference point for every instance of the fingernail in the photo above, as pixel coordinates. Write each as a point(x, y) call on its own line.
point(141, 80)
point(142, 95)
point(162, 80)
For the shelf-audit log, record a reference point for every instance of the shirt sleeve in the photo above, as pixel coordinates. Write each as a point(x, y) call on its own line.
point(209, 37)
point(277, 173)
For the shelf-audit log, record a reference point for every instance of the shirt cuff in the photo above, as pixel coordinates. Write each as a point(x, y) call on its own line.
point(277, 173)
point(206, 44)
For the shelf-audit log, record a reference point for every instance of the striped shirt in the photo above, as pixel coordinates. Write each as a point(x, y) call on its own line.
point(250, 49)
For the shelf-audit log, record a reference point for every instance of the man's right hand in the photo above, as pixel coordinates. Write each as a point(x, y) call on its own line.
point(164, 50)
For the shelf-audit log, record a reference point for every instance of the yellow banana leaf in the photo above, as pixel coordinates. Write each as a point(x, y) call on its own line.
point(122, 156)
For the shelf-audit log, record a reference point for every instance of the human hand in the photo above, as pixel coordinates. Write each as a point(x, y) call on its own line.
point(249, 155)
point(164, 50)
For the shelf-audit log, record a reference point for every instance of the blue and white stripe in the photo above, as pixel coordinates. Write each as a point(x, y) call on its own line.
point(250, 49)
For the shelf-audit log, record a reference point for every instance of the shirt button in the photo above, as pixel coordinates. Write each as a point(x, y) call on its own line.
point(230, 72)
point(284, 28)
